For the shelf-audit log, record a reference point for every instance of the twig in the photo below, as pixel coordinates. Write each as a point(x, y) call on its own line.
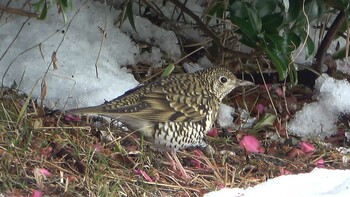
point(104, 34)
point(208, 31)
point(199, 22)
point(18, 11)
point(19, 31)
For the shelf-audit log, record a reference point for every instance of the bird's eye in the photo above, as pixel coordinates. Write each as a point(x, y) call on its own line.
point(223, 79)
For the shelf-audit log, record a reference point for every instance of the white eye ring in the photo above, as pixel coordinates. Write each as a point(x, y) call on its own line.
point(223, 79)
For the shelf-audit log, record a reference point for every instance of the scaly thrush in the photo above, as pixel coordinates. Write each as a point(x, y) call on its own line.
point(173, 112)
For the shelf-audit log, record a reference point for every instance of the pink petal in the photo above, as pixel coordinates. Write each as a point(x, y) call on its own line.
point(44, 171)
point(279, 92)
point(70, 117)
point(46, 152)
point(196, 163)
point(221, 186)
point(97, 147)
point(213, 132)
point(144, 174)
point(267, 87)
point(284, 172)
point(36, 193)
point(260, 108)
point(137, 172)
point(197, 152)
point(306, 147)
point(250, 144)
point(319, 163)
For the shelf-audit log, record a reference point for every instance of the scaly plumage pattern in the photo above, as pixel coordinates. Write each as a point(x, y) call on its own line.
point(175, 112)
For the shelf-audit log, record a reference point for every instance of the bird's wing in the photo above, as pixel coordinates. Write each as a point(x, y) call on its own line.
point(158, 106)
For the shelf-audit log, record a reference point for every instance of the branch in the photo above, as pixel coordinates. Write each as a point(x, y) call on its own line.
point(327, 40)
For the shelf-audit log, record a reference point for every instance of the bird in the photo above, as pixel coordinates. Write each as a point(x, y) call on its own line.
point(174, 112)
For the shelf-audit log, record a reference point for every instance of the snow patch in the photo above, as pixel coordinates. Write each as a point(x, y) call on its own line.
point(319, 182)
point(318, 119)
point(225, 118)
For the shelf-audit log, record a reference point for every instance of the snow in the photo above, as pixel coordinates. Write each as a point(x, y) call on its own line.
point(74, 83)
point(344, 65)
point(318, 119)
point(225, 118)
point(74, 79)
point(319, 182)
point(150, 33)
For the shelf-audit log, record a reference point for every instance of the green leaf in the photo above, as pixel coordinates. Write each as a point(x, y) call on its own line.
point(254, 18)
point(273, 41)
point(218, 10)
point(267, 120)
point(26, 103)
point(340, 54)
point(309, 46)
point(168, 70)
point(238, 10)
point(246, 30)
point(130, 15)
point(291, 42)
point(312, 9)
point(279, 60)
point(247, 19)
point(293, 74)
point(37, 6)
point(69, 4)
point(239, 16)
point(247, 40)
point(63, 3)
point(266, 7)
point(43, 12)
point(272, 23)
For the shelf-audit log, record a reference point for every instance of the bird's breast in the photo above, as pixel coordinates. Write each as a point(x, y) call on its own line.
point(179, 135)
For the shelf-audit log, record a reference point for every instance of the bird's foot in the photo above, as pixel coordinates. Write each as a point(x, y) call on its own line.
point(176, 165)
point(208, 151)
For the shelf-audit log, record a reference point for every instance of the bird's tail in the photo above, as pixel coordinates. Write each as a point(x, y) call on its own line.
point(86, 110)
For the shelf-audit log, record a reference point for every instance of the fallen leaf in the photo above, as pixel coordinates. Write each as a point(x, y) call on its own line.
point(54, 60)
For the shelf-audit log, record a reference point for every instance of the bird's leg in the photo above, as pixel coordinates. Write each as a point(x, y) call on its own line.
point(206, 148)
point(176, 164)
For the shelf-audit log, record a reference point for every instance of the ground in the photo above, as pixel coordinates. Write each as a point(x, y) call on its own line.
point(61, 155)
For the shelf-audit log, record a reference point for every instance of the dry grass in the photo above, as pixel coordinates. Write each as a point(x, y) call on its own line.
point(92, 157)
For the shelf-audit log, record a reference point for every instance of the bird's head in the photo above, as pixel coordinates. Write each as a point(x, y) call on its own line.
point(223, 81)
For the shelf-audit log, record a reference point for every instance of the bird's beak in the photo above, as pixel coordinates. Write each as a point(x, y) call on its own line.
point(244, 83)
